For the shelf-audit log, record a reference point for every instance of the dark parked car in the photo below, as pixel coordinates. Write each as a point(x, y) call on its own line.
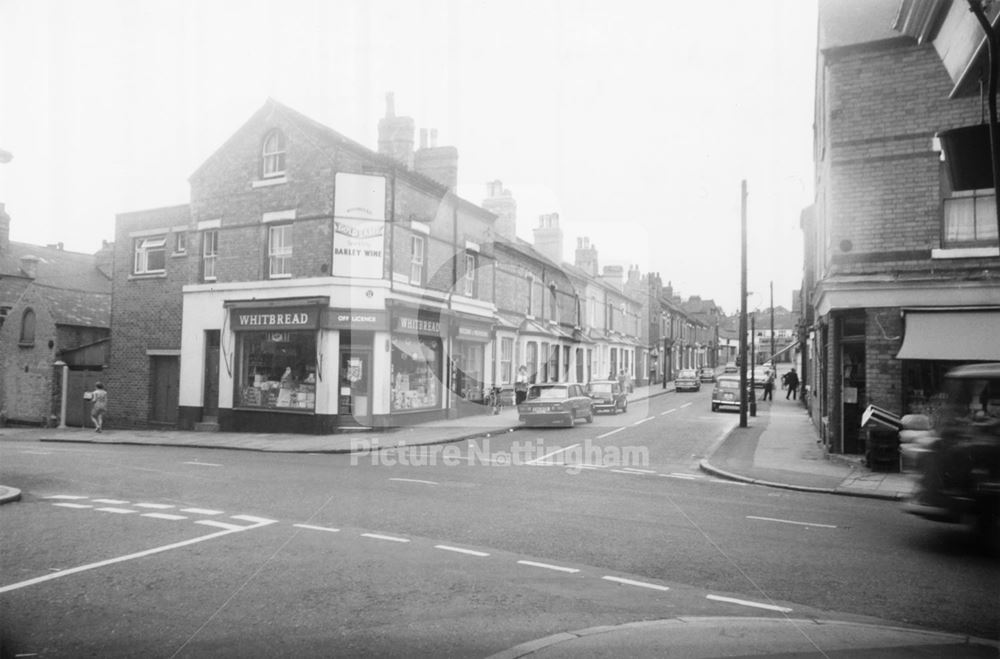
point(706, 374)
point(958, 472)
point(608, 396)
point(687, 380)
point(556, 403)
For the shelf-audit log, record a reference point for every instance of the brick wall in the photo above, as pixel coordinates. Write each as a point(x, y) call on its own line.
point(883, 372)
point(27, 371)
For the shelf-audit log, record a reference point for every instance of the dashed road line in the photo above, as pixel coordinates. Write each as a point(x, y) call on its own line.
point(110, 502)
point(608, 434)
point(220, 525)
point(639, 471)
point(154, 506)
point(253, 519)
point(203, 464)
point(317, 528)
point(68, 497)
point(670, 411)
point(685, 405)
point(73, 505)
point(390, 538)
point(756, 605)
point(548, 566)
point(648, 418)
point(414, 480)
point(459, 550)
point(622, 471)
point(166, 516)
point(788, 521)
point(631, 582)
point(117, 511)
point(201, 511)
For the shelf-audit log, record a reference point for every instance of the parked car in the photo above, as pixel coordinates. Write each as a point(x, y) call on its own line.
point(608, 396)
point(760, 375)
point(726, 392)
point(731, 367)
point(687, 380)
point(555, 403)
point(958, 472)
point(706, 374)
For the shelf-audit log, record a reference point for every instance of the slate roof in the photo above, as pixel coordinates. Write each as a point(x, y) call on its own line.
point(80, 308)
point(56, 267)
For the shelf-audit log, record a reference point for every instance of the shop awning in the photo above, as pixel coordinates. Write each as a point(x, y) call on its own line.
point(951, 335)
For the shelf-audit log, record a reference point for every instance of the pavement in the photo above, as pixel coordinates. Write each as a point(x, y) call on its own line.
point(779, 448)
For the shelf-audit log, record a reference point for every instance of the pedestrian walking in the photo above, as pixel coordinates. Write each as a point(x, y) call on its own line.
point(521, 385)
point(99, 405)
point(792, 380)
point(769, 387)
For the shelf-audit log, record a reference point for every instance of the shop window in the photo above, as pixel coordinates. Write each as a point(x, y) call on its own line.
point(416, 373)
point(27, 328)
point(273, 155)
point(970, 219)
point(150, 256)
point(469, 370)
point(279, 251)
point(565, 364)
point(209, 254)
point(418, 250)
point(469, 281)
point(506, 360)
point(276, 370)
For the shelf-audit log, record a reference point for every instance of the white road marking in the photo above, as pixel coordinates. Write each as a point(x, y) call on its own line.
point(414, 480)
point(470, 552)
point(641, 471)
point(390, 538)
point(221, 525)
point(611, 433)
point(201, 511)
point(154, 506)
point(64, 496)
point(111, 502)
point(622, 471)
point(547, 566)
point(788, 521)
point(670, 411)
point(683, 477)
point(203, 464)
point(726, 482)
point(756, 605)
point(630, 582)
point(255, 520)
point(685, 474)
point(648, 418)
point(118, 511)
point(316, 528)
point(37, 452)
point(685, 405)
point(548, 455)
point(73, 505)
point(121, 559)
point(163, 516)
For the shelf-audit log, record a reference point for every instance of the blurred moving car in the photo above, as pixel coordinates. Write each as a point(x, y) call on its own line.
point(731, 367)
point(555, 403)
point(760, 375)
point(958, 472)
point(687, 380)
point(726, 392)
point(608, 396)
point(706, 374)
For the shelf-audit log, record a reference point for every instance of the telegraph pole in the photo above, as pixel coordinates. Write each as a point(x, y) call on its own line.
point(743, 304)
point(773, 364)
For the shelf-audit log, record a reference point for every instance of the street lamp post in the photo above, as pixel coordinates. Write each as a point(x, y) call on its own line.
point(753, 364)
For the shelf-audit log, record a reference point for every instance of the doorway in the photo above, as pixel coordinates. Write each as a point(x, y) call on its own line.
point(354, 399)
point(210, 402)
point(164, 381)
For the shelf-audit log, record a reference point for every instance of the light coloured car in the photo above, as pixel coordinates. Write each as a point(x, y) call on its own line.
point(726, 392)
point(731, 367)
point(687, 380)
point(555, 403)
point(706, 374)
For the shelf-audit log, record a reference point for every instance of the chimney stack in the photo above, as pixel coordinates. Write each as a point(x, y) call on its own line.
point(395, 134)
point(549, 237)
point(586, 256)
point(105, 258)
point(501, 203)
point(437, 162)
point(29, 265)
point(614, 275)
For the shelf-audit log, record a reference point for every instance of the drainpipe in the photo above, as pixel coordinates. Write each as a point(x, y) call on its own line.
point(993, 46)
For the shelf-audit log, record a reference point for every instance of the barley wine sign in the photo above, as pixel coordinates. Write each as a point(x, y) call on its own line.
point(359, 226)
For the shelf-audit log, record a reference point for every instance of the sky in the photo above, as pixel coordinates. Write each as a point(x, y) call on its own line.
point(635, 121)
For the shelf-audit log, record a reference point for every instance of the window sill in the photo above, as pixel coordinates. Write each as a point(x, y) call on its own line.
point(965, 252)
point(178, 254)
point(263, 183)
point(25, 344)
point(285, 276)
point(150, 275)
point(210, 280)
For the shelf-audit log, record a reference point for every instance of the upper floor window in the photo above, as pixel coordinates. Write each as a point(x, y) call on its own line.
point(3, 314)
point(970, 219)
point(180, 242)
point(209, 254)
point(553, 303)
point(150, 255)
point(27, 327)
point(279, 250)
point(273, 155)
point(531, 295)
point(417, 258)
point(469, 281)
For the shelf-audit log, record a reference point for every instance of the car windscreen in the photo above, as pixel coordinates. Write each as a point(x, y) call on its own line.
point(728, 384)
point(687, 374)
point(602, 388)
point(547, 393)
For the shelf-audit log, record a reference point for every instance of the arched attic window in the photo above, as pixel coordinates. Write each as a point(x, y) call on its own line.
point(27, 327)
point(273, 155)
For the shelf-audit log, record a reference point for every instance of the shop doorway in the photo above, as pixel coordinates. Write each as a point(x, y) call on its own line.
point(355, 393)
point(852, 395)
point(164, 380)
point(210, 404)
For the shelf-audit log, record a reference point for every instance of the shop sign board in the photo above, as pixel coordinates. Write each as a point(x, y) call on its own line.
point(474, 332)
point(359, 211)
point(356, 319)
point(416, 325)
point(271, 318)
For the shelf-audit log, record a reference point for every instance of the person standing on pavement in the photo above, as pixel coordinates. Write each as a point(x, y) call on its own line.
point(99, 405)
point(792, 379)
point(769, 386)
point(521, 385)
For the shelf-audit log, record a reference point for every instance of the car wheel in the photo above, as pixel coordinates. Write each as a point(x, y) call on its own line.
point(590, 417)
point(624, 407)
point(715, 408)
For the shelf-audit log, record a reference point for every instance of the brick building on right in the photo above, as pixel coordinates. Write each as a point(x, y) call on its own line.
point(902, 258)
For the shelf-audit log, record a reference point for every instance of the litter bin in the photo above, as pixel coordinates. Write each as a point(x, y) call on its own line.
point(882, 450)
